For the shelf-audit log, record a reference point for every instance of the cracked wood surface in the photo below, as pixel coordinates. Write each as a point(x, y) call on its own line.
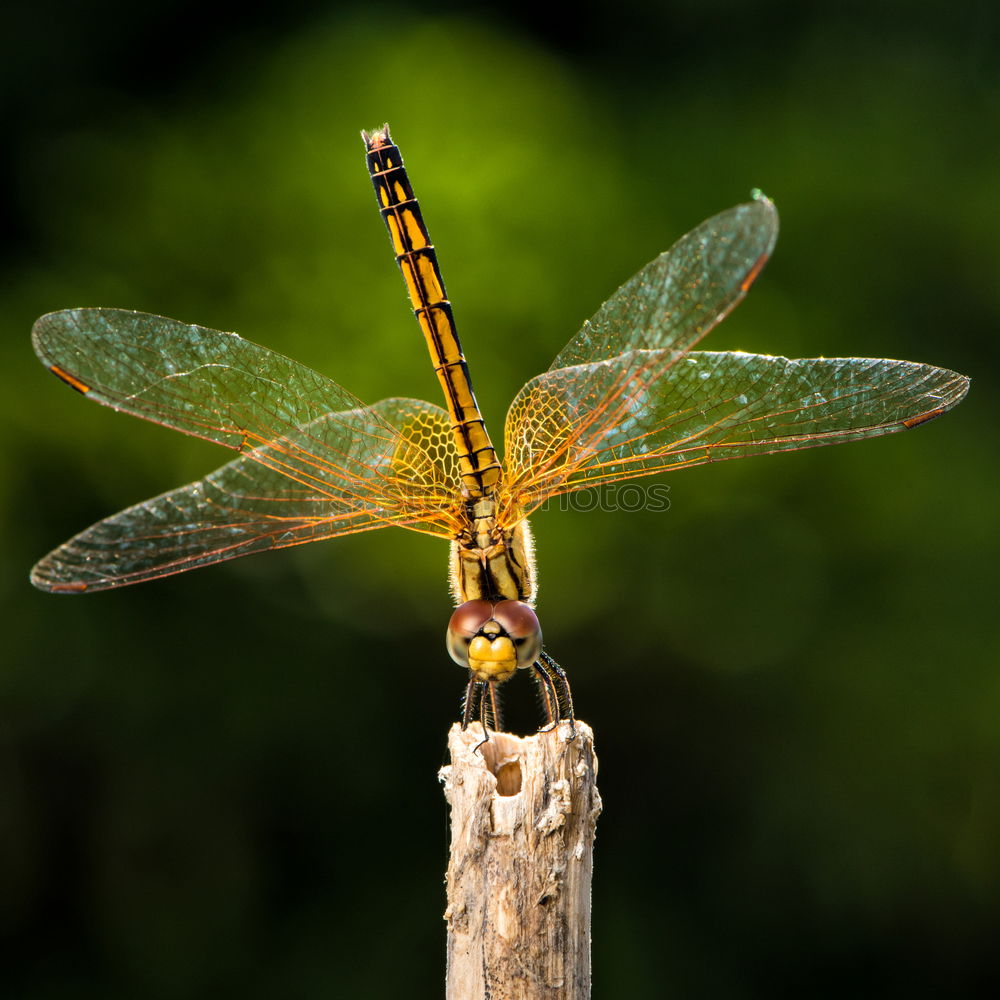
point(523, 815)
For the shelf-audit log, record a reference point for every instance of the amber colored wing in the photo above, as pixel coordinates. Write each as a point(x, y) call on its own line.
point(655, 406)
point(558, 420)
point(315, 462)
point(677, 298)
point(712, 406)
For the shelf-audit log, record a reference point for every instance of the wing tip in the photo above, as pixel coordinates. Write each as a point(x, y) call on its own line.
point(958, 389)
point(767, 218)
point(41, 330)
point(50, 327)
point(41, 580)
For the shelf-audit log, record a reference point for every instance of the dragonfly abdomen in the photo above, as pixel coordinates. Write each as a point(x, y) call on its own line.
point(479, 468)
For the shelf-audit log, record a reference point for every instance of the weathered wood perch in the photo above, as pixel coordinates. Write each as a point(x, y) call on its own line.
point(523, 815)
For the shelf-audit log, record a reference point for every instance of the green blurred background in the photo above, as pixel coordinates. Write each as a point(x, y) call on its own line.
point(791, 673)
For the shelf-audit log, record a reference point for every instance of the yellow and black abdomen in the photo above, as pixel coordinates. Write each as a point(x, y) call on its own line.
point(478, 465)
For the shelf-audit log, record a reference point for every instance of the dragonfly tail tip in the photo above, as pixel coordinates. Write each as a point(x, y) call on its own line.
point(377, 137)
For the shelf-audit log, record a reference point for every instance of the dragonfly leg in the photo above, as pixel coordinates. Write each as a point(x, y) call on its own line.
point(547, 694)
point(491, 715)
point(489, 710)
point(473, 695)
point(556, 686)
point(482, 695)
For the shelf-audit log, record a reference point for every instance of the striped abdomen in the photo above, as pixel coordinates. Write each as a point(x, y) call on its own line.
point(478, 465)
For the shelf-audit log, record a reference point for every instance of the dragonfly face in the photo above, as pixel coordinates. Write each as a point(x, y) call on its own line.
point(493, 639)
point(626, 397)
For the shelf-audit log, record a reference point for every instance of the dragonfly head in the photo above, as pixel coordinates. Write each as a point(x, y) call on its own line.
point(493, 639)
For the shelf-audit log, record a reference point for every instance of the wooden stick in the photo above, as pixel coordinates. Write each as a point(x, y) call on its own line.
point(523, 815)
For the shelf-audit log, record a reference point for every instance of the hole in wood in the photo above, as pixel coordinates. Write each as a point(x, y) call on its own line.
point(502, 754)
point(509, 778)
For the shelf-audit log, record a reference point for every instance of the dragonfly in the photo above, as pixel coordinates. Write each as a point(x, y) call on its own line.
point(626, 397)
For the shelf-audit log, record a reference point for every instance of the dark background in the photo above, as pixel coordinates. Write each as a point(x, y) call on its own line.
point(225, 782)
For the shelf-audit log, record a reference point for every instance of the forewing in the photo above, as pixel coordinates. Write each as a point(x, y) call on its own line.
point(678, 297)
point(203, 382)
point(712, 406)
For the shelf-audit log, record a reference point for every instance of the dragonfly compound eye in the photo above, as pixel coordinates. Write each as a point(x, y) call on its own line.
point(466, 623)
point(494, 640)
point(520, 622)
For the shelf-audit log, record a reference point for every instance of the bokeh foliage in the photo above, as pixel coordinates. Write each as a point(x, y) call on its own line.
point(796, 661)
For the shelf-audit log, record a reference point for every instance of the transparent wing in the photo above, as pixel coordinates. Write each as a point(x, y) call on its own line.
point(711, 406)
point(655, 318)
point(316, 462)
point(678, 297)
point(252, 504)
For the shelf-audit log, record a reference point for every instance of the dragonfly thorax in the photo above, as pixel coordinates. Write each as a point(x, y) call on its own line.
point(491, 563)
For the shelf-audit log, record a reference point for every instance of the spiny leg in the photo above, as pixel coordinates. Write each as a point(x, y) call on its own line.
point(547, 694)
point(484, 696)
point(491, 707)
point(473, 694)
point(557, 681)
